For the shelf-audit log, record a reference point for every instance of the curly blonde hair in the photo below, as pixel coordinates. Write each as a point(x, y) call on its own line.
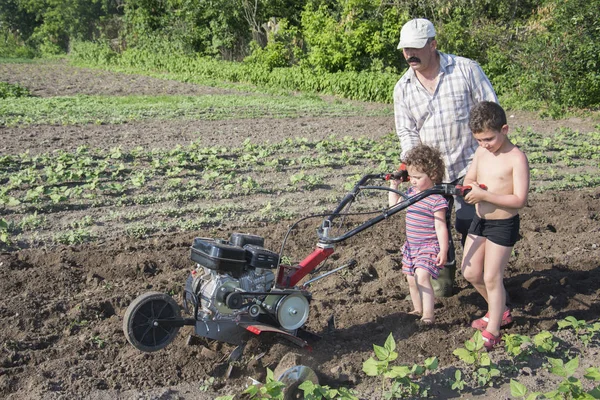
point(428, 160)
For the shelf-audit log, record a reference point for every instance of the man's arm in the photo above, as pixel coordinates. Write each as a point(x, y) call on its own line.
point(406, 127)
point(481, 87)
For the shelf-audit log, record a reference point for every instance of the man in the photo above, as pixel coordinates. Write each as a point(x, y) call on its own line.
point(432, 101)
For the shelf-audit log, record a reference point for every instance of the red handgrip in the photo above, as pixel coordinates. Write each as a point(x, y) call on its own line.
point(401, 174)
point(463, 190)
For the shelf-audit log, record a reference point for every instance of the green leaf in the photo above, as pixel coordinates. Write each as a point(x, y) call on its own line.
point(517, 389)
point(485, 360)
point(431, 363)
point(270, 376)
point(390, 343)
point(592, 374)
point(571, 366)
point(252, 390)
point(595, 393)
point(397, 372)
point(372, 367)
point(381, 352)
point(464, 355)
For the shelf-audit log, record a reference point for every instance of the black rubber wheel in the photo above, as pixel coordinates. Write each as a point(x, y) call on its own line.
point(139, 321)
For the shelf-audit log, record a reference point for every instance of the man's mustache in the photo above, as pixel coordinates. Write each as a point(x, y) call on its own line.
point(413, 59)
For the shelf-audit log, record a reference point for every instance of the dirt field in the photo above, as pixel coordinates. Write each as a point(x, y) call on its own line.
point(61, 307)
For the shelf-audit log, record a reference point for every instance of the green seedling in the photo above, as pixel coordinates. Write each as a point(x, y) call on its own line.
point(271, 389)
point(544, 342)
point(402, 384)
point(571, 387)
point(474, 354)
point(314, 391)
point(584, 331)
point(518, 346)
point(98, 342)
point(207, 384)
point(517, 389)
point(4, 235)
point(458, 383)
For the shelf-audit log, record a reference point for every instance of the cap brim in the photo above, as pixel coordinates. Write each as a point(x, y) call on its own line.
point(412, 44)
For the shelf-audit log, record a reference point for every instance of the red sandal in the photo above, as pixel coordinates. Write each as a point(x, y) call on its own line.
point(490, 341)
point(481, 323)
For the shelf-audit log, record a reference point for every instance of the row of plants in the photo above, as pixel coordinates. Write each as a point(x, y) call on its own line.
point(37, 186)
point(81, 109)
point(562, 360)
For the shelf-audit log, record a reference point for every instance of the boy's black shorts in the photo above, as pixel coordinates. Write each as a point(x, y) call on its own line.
point(504, 232)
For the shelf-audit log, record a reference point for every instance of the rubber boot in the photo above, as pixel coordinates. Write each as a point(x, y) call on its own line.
point(443, 286)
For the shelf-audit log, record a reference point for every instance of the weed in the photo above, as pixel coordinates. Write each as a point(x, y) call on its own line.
point(207, 384)
point(98, 342)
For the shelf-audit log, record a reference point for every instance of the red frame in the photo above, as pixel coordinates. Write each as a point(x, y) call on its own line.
point(305, 267)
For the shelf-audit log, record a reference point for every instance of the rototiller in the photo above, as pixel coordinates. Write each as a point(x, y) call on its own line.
point(240, 288)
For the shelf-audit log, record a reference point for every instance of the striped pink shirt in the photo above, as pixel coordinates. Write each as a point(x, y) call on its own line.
point(420, 224)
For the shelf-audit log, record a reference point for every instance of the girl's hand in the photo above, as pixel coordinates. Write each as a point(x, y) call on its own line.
point(441, 258)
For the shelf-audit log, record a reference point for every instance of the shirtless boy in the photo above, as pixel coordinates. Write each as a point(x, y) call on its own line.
point(503, 168)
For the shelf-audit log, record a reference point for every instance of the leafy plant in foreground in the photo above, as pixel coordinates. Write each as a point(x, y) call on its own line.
point(518, 346)
point(402, 384)
point(544, 342)
point(474, 354)
point(569, 388)
point(517, 389)
point(317, 392)
point(584, 331)
point(271, 389)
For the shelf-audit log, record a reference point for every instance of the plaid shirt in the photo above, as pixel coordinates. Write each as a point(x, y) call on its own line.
point(442, 120)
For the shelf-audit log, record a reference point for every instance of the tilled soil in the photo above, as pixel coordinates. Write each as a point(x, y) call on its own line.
point(62, 307)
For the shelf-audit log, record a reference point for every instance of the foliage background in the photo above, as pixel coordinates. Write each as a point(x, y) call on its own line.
point(539, 54)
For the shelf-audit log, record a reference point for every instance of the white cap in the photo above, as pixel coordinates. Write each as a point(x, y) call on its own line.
point(414, 33)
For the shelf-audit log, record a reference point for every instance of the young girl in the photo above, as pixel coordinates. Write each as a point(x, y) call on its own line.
point(426, 247)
